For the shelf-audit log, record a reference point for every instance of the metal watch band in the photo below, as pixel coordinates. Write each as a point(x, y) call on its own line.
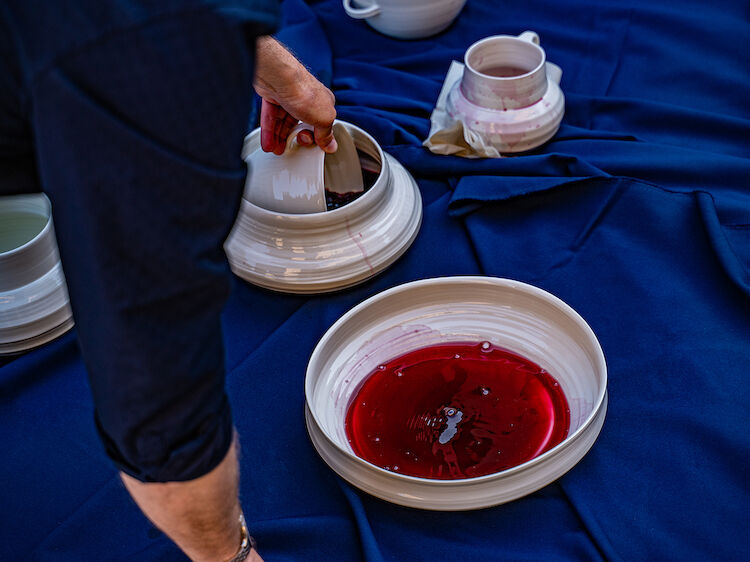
point(247, 543)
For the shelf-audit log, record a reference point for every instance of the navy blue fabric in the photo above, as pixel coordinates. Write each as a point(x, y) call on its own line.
point(637, 214)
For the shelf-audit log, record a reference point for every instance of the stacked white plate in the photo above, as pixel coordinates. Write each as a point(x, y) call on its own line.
point(34, 306)
point(508, 314)
point(326, 251)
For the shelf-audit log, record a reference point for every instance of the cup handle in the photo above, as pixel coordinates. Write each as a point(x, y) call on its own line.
point(554, 72)
point(360, 13)
point(529, 36)
point(299, 127)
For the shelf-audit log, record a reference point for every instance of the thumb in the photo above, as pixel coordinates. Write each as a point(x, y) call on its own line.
point(324, 139)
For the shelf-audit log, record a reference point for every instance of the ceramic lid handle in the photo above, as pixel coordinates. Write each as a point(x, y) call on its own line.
point(529, 36)
point(360, 13)
point(554, 72)
point(298, 128)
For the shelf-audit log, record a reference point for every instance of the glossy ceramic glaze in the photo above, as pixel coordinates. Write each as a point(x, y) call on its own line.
point(34, 305)
point(326, 251)
point(414, 19)
point(295, 181)
point(291, 182)
point(508, 314)
point(511, 113)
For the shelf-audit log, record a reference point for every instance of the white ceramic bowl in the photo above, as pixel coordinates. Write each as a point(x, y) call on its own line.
point(34, 305)
point(327, 251)
point(412, 19)
point(509, 314)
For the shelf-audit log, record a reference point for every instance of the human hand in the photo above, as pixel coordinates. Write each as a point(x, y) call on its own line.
point(291, 94)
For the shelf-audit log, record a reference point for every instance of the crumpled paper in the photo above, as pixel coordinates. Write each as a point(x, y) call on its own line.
point(450, 136)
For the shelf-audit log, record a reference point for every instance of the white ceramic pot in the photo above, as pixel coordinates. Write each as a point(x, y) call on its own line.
point(291, 182)
point(405, 19)
point(509, 94)
point(34, 305)
point(327, 251)
point(508, 314)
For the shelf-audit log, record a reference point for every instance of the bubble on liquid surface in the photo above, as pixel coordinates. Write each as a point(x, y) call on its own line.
point(486, 346)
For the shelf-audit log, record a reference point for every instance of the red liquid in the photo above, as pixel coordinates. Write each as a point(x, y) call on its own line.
point(503, 71)
point(369, 176)
point(458, 410)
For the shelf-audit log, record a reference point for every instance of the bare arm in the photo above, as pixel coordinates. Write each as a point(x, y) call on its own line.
point(290, 94)
point(200, 515)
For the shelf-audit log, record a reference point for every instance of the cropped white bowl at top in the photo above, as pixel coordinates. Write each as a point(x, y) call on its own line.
point(413, 19)
point(509, 314)
point(330, 250)
point(34, 306)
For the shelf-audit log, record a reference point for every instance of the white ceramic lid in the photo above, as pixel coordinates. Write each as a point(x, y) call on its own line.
point(327, 251)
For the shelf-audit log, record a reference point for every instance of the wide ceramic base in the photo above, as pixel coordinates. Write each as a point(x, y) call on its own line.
point(13, 348)
point(510, 130)
point(308, 254)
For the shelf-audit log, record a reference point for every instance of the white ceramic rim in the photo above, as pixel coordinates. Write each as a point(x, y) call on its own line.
point(45, 229)
point(46, 313)
point(481, 43)
point(16, 347)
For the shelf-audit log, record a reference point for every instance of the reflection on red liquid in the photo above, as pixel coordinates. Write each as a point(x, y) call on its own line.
point(504, 71)
point(336, 200)
point(457, 410)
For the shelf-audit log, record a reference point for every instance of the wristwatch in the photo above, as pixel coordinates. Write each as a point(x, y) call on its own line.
point(247, 543)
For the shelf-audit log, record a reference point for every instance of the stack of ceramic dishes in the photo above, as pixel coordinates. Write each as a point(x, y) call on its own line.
point(34, 305)
point(509, 95)
point(515, 316)
point(326, 250)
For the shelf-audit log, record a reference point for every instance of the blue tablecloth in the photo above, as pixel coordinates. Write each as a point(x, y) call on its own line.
point(637, 214)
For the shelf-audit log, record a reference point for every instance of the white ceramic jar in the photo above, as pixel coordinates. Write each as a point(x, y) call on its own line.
point(405, 19)
point(34, 305)
point(509, 94)
point(326, 251)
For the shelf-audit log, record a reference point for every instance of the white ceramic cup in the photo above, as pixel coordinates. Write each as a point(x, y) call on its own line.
point(33, 296)
point(505, 72)
point(405, 19)
point(288, 183)
point(27, 241)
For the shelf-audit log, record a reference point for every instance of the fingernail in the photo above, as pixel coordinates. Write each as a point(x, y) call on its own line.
point(331, 147)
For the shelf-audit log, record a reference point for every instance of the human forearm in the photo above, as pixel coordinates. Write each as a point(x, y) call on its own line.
point(201, 516)
point(290, 94)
